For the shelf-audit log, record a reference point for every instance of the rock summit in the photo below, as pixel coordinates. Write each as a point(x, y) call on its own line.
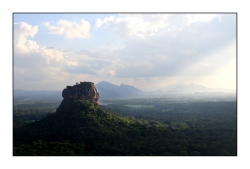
point(82, 91)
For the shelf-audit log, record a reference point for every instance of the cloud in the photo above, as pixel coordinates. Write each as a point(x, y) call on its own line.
point(187, 51)
point(98, 23)
point(23, 31)
point(79, 70)
point(80, 30)
point(34, 63)
point(154, 47)
point(129, 26)
point(134, 25)
point(51, 65)
point(24, 47)
point(147, 25)
point(192, 18)
point(18, 70)
point(185, 48)
point(112, 72)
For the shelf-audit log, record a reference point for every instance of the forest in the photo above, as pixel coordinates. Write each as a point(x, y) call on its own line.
point(126, 127)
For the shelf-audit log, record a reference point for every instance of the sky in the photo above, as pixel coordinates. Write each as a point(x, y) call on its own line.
point(148, 51)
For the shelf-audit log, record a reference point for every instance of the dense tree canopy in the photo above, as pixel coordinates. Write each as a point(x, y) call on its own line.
point(80, 128)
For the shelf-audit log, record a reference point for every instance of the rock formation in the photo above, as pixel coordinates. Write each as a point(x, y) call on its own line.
point(82, 91)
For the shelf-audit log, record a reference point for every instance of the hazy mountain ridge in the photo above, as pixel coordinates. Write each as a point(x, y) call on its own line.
point(109, 90)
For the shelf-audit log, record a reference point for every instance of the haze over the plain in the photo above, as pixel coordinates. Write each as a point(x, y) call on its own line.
point(148, 51)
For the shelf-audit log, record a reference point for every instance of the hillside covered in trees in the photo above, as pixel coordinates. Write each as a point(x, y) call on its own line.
point(80, 128)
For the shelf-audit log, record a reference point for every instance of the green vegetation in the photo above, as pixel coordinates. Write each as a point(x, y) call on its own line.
point(30, 111)
point(42, 148)
point(79, 128)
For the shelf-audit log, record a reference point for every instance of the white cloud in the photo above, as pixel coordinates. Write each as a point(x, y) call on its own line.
point(192, 18)
point(147, 25)
point(45, 65)
point(98, 23)
point(112, 72)
point(70, 29)
point(134, 25)
point(23, 31)
point(51, 54)
point(72, 63)
point(34, 63)
point(172, 48)
point(192, 46)
point(24, 47)
point(29, 48)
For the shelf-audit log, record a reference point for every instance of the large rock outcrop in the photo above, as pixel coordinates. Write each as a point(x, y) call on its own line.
point(82, 91)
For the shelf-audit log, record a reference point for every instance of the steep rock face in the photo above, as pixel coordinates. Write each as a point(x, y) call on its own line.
point(82, 91)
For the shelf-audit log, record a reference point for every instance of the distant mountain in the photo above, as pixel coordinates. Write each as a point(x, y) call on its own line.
point(109, 90)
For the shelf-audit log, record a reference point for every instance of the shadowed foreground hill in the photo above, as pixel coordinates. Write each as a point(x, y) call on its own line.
point(80, 128)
